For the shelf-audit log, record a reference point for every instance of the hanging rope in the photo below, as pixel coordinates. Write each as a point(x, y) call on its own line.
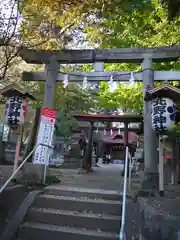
point(114, 74)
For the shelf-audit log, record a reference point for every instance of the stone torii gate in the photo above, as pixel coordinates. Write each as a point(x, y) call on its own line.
point(143, 56)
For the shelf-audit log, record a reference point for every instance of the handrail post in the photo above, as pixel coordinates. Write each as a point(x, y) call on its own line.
point(122, 234)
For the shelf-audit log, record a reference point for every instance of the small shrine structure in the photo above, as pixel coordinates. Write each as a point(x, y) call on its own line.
point(92, 118)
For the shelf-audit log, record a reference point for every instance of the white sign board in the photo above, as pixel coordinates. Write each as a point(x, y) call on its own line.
point(45, 136)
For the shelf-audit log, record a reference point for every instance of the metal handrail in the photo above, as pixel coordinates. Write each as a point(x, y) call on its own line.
point(20, 166)
point(122, 232)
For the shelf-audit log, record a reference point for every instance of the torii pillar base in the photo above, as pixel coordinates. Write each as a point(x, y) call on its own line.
point(151, 181)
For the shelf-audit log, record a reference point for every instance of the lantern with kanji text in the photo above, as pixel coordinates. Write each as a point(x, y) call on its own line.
point(163, 114)
point(163, 107)
point(15, 110)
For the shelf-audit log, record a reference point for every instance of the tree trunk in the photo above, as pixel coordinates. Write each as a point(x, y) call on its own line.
point(33, 134)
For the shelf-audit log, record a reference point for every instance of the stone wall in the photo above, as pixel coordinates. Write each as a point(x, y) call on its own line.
point(160, 218)
point(10, 200)
point(153, 218)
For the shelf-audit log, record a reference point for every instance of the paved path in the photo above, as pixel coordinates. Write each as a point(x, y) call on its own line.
point(105, 177)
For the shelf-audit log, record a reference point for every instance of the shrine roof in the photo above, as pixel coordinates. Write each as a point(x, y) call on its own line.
point(108, 118)
point(15, 89)
point(165, 90)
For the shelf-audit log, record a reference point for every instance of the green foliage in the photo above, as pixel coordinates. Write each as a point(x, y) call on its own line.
point(127, 97)
point(52, 25)
point(71, 100)
point(142, 27)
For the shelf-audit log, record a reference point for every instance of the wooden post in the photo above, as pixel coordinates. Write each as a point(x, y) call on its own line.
point(2, 146)
point(51, 70)
point(178, 162)
point(161, 167)
point(18, 147)
point(150, 139)
point(174, 162)
point(33, 134)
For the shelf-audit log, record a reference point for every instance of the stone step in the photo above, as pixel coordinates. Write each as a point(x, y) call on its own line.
point(79, 204)
point(33, 230)
point(83, 192)
point(103, 222)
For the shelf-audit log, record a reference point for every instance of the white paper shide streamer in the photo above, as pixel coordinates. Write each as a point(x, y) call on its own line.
point(132, 79)
point(85, 83)
point(111, 84)
point(97, 130)
point(65, 81)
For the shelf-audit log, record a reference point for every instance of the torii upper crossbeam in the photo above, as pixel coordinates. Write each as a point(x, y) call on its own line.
point(118, 55)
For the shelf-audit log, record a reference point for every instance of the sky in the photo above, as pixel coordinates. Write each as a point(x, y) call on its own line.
point(8, 9)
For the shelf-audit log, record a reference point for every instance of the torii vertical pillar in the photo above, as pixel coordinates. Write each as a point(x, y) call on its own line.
point(51, 70)
point(88, 154)
point(150, 139)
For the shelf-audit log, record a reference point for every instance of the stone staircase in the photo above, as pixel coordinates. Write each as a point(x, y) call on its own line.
point(73, 213)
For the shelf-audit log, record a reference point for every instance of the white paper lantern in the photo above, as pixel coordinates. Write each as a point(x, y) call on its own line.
point(15, 112)
point(163, 114)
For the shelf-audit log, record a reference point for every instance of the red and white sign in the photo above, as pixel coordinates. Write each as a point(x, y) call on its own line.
point(45, 136)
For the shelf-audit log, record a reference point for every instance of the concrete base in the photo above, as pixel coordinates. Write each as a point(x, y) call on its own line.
point(161, 193)
point(32, 173)
point(151, 181)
